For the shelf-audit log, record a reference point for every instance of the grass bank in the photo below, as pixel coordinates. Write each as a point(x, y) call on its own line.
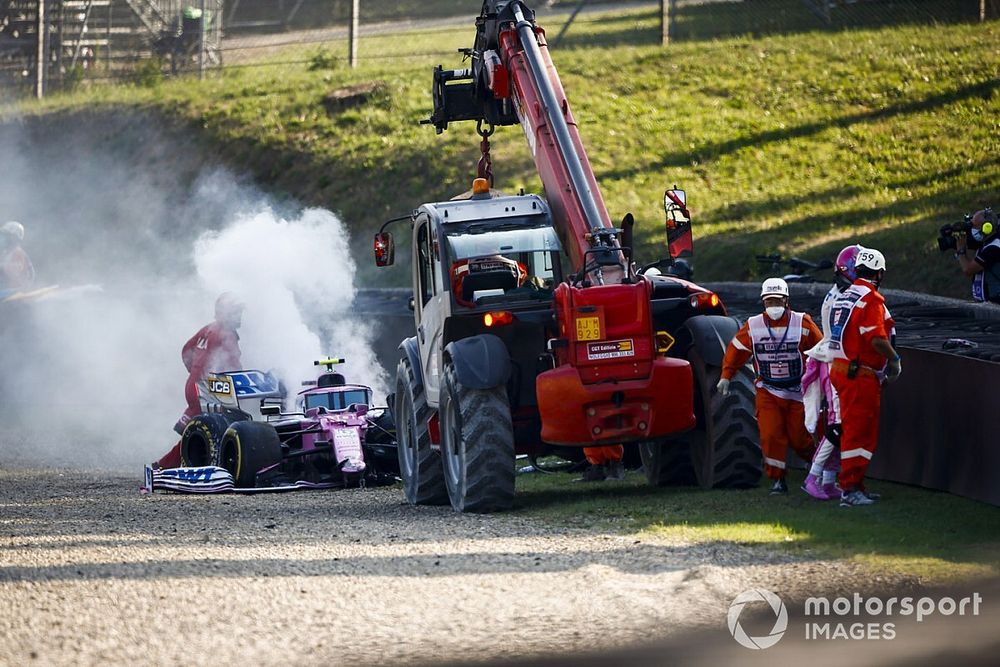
point(798, 141)
point(933, 536)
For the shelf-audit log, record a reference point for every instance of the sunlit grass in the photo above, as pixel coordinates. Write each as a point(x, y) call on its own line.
point(737, 532)
point(911, 531)
point(797, 142)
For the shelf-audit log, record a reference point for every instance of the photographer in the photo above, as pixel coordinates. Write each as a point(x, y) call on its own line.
point(984, 266)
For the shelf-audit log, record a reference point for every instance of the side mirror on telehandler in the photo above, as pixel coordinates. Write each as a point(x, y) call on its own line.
point(385, 249)
point(679, 240)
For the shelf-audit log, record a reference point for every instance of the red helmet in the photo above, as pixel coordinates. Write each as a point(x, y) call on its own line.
point(844, 266)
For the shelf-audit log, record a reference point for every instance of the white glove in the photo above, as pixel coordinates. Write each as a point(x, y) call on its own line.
point(893, 370)
point(812, 399)
point(723, 387)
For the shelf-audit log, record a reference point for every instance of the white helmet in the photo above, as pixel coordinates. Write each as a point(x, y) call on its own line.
point(15, 229)
point(774, 287)
point(870, 259)
point(229, 309)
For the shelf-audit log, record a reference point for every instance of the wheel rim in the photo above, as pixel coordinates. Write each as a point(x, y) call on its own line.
point(452, 444)
point(197, 451)
point(228, 456)
point(406, 440)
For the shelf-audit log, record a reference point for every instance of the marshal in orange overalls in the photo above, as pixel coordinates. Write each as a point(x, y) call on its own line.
point(776, 347)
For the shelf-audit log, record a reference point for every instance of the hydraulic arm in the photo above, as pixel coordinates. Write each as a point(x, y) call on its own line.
point(609, 382)
point(513, 81)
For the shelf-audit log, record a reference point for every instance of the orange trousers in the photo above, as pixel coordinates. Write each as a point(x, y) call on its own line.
point(781, 422)
point(598, 456)
point(860, 400)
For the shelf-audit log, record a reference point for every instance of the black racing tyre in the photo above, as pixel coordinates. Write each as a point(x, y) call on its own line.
point(477, 444)
point(247, 448)
point(419, 465)
point(667, 461)
point(725, 445)
point(202, 440)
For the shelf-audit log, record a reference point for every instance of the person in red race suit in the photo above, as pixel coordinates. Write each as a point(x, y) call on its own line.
point(214, 348)
point(821, 482)
point(862, 356)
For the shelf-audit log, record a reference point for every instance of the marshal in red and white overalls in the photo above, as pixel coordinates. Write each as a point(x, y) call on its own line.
point(858, 317)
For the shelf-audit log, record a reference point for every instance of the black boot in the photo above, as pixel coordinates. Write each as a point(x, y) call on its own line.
point(593, 474)
point(779, 488)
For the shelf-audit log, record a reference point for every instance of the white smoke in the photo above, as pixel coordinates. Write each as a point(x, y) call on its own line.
point(297, 279)
point(91, 375)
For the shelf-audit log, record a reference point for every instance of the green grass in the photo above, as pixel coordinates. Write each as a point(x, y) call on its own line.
point(934, 536)
point(798, 141)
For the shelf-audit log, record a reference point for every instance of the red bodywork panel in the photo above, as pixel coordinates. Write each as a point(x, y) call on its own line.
point(571, 410)
point(610, 385)
point(434, 430)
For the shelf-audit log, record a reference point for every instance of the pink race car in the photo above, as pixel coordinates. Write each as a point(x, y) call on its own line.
point(336, 437)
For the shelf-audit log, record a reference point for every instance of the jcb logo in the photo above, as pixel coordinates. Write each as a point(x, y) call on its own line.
point(220, 387)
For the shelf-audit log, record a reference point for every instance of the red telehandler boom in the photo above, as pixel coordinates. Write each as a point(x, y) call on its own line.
point(602, 355)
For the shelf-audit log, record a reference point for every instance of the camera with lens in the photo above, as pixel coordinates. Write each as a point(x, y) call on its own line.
point(946, 235)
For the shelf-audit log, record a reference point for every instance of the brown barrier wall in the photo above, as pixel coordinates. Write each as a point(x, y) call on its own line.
point(940, 424)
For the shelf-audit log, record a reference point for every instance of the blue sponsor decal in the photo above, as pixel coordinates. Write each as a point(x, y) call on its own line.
point(253, 383)
point(190, 474)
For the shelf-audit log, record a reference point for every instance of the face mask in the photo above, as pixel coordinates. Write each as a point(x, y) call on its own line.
point(977, 234)
point(775, 312)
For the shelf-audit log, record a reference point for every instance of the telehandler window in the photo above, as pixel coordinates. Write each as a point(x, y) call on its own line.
point(425, 263)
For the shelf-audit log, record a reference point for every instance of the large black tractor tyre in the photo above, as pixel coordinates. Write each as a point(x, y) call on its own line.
point(247, 448)
point(725, 445)
point(419, 466)
point(202, 440)
point(477, 444)
point(667, 462)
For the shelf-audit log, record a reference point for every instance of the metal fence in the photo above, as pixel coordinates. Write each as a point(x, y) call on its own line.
point(89, 41)
point(78, 40)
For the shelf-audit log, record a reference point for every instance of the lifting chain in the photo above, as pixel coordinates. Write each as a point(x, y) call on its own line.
point(484, 169)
